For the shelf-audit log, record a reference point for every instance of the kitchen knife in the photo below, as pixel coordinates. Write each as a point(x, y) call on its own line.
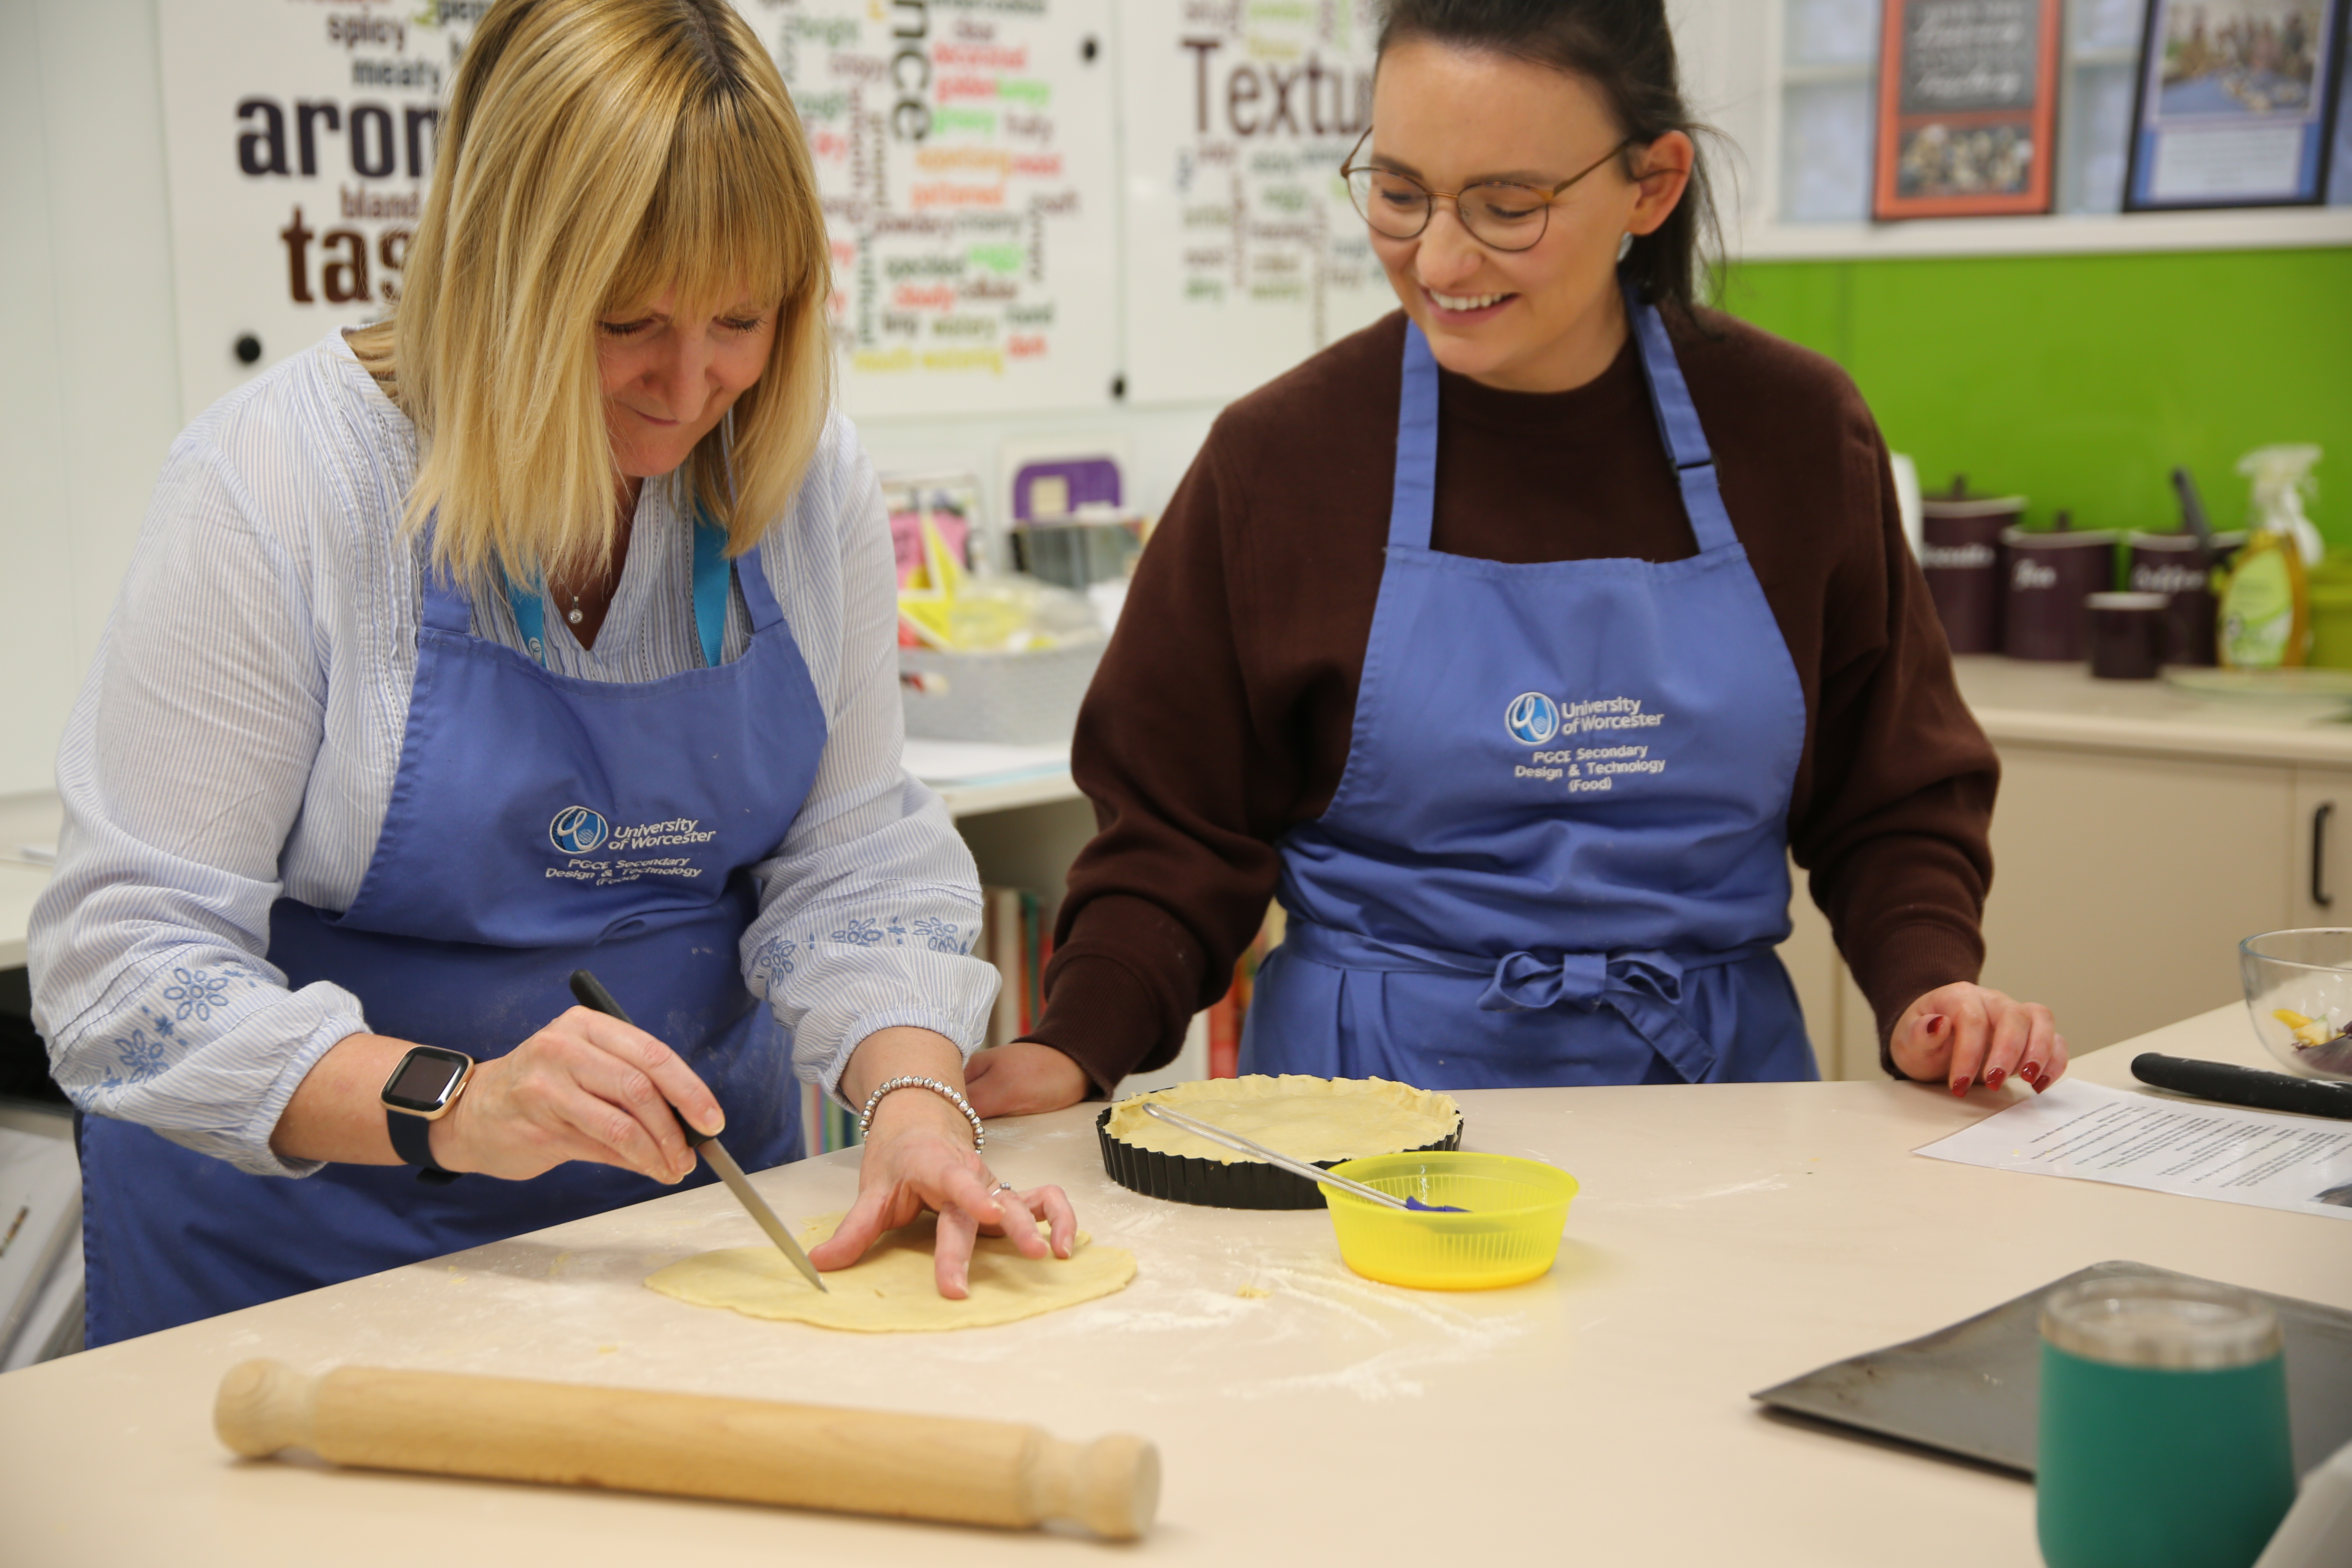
point(592, 994)
point(2244, 1085)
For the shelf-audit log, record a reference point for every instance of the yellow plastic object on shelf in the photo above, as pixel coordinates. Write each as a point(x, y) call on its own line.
point(1510, 1235)
point(950, 609)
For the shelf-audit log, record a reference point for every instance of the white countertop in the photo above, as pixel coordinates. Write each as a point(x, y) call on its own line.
point(2021, 701)
point(1728, 1237)
point(973, 778)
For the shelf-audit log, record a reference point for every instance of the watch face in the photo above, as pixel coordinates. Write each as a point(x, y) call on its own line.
point(423, 1079)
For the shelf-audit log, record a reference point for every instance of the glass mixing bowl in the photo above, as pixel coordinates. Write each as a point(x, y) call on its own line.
point(2299, 993)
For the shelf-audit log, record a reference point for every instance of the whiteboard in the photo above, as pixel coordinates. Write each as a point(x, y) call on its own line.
point(964, 152)
point(297, 140)
point(1242, 253)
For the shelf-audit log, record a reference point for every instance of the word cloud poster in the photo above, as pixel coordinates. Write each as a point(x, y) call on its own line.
point(298, 138)
point(1244, 254)
point(964, 152)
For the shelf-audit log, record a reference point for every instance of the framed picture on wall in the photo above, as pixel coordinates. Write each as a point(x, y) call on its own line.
point(1968, 108)
point(2235, 104)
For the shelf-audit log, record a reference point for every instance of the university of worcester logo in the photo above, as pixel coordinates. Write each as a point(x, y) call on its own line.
point(1532, 718)
point(577, 830)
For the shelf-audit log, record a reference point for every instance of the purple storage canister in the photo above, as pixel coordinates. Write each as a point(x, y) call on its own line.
point(2051, 576)
point(1959, 553)
point(2174, 565)
point(2127, 635)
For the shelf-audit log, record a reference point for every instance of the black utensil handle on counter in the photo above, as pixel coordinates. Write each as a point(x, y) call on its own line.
point(2244, 1085)
point(591, 994)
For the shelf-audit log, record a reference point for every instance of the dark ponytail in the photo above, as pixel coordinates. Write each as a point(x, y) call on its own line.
point(1626, 50)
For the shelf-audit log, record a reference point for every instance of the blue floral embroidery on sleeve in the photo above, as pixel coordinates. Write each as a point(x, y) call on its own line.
point(775, 959)
point(140, 1058)
point(198, 995)
point(860, 933)
point(940, 935)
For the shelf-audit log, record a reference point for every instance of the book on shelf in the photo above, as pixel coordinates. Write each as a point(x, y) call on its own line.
point(1230, 1012)
point(1016, 938)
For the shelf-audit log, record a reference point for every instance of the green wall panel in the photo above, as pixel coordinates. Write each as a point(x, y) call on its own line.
point(2081, 381)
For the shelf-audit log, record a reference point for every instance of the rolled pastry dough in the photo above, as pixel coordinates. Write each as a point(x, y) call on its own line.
point(1310, 1119)
point(891, 1288)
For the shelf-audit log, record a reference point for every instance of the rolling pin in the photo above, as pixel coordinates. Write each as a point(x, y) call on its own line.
point(744, 1450)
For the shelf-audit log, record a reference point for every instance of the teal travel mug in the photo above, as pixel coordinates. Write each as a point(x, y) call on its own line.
point(2164, 1430)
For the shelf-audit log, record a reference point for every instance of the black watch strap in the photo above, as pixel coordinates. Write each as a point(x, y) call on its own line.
point(412, 1139)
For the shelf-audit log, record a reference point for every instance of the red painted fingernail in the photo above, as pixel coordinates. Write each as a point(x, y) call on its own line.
point(1959, 1088)
point(1933, 1024)
point(1993, 1078)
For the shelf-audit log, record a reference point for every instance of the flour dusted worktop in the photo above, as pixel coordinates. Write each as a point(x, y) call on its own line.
point(2142, 831)
point(1726, 1237)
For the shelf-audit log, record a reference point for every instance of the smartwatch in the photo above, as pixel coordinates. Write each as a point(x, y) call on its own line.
point(420, 1092)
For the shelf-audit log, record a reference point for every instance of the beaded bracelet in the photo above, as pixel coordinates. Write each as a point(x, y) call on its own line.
point(866, 1117)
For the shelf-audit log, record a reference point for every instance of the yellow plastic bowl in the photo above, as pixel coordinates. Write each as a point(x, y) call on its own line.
point(1511, 1233)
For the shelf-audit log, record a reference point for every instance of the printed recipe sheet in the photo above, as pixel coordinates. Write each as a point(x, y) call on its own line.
point(2098, 1134)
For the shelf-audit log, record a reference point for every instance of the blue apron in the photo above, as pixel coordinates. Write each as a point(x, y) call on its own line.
point(1557, 852)
point(539, 824)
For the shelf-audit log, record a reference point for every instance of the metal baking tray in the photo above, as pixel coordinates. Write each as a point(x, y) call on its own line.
point(1973, 1389)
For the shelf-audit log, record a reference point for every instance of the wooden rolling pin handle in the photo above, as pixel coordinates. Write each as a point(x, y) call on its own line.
point(745, 1450)
point(1111, 1485)
point(265, 1406)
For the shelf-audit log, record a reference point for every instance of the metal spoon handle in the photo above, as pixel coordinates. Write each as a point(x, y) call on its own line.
point(1235, 1141)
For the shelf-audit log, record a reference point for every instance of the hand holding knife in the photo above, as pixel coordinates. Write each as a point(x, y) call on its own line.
point(592, 994)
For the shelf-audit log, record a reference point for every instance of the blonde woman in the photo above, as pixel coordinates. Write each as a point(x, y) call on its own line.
point(548, 625)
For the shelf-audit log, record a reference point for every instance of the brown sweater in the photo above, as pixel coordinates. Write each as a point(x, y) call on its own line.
point(1222, 715)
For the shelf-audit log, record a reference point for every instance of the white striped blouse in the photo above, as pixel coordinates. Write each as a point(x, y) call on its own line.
point(238, 734)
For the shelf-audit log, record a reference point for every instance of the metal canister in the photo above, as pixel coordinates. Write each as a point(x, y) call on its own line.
point(1959, 554)
point(2052, 577)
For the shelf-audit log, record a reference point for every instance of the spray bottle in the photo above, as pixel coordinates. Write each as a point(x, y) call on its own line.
point(2266, 605)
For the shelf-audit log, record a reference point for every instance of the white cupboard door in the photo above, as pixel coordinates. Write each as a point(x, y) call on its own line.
point(2122, 885)
point(1837, 1016)
point(2321, 877)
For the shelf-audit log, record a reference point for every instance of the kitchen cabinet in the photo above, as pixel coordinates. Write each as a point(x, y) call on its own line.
point(2122, 885)
point(2141, 834)
point(2322, 871)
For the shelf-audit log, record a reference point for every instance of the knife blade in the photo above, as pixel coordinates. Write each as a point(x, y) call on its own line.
point(592, 994)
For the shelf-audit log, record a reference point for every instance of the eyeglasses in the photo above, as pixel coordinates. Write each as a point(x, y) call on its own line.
point(1502, 214)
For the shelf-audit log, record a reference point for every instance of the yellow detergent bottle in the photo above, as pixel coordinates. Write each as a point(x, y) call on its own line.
point(2266, 605)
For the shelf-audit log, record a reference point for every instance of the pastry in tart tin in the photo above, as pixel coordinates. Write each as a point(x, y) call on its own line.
point(1318, 1120)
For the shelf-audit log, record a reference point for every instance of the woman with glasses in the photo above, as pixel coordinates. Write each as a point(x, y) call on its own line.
point(548, 625)
point(1514, 642)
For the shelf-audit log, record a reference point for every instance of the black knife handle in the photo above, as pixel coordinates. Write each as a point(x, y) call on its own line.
point(2244, 1085)
point(591, 994)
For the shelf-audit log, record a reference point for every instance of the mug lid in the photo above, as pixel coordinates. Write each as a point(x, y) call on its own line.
point(2013, 537)
point(1972, 506)
point(2178, 1324)
point(2139, 539)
